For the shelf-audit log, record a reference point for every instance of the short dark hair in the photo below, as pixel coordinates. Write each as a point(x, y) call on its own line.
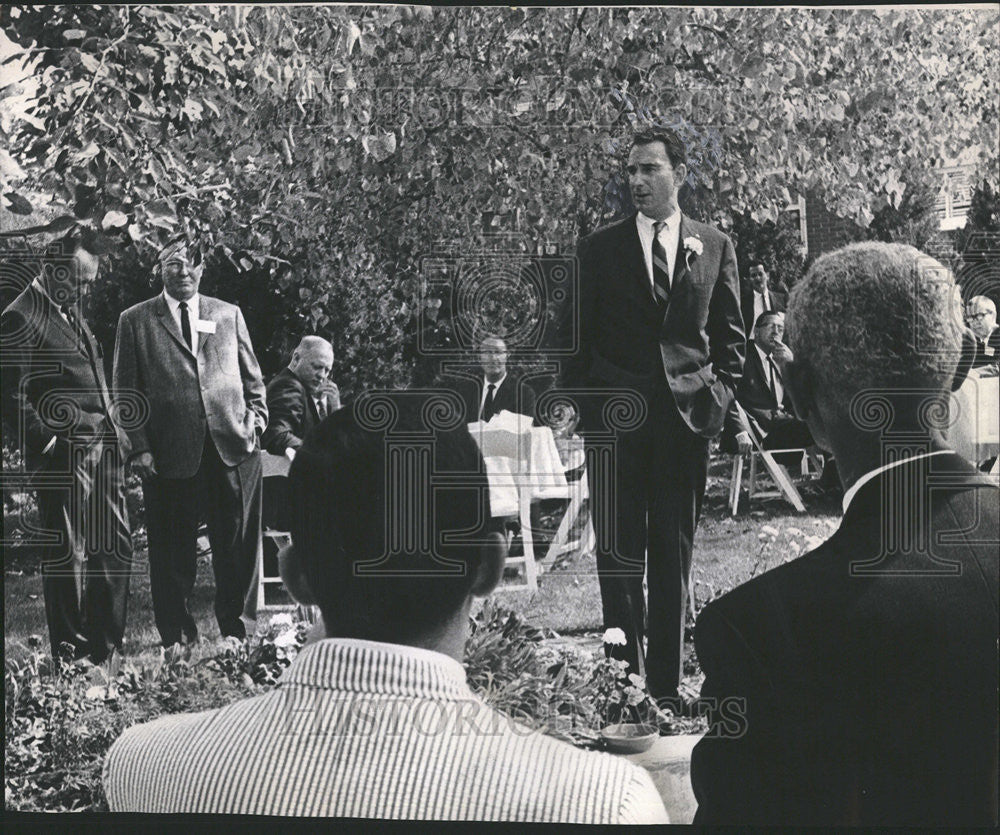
point(340, 486)
point(765, 315)
point(676, 152)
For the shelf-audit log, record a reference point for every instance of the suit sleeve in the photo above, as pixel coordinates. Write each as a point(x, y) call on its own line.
point(254, 393)
point(580, 312)
point(18, 410)
point(285, 407)
point(737, 769)
point(727, 343)
point(126, 378)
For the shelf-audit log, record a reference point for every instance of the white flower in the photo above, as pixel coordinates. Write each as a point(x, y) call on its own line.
point(286, 639)
point(615, 637)
point(767, 530)
point(795, 548)
point(635, 697)
point(694, 245)
point(813, 542)
point(282, 619)
point(793, 531)
point(637, 680)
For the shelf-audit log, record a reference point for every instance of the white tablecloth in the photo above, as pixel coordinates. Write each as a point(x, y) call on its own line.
point(976, 432)
point(522, 461)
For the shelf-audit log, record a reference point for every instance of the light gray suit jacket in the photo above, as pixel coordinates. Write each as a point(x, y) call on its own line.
point(220, 390)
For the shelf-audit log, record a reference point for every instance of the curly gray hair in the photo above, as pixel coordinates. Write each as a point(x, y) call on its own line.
point(876, 316)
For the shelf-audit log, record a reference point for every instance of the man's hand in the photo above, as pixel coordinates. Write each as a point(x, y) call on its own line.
point(782, 354)
point(330, 388)
point(143, 466)
point(743, 442)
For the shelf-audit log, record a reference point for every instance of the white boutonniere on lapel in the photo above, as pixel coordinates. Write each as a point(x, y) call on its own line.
point(693, 247)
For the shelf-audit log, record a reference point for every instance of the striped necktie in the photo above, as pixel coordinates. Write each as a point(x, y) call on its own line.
point(661, 270)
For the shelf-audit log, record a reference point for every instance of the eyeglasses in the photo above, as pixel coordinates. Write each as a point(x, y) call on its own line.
point(971, 316)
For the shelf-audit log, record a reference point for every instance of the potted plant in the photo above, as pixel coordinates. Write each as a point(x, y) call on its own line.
point(632, 719)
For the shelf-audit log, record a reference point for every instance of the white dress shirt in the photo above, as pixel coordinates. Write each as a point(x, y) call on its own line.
point(670, 237)
point(761, 303)
point(773, 380)
point(850, 493)
point(193, 309)
point(486, 390)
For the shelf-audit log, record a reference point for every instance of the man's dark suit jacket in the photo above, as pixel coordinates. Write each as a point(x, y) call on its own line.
point(513, 395)
point(993, 341)
point(291, 412)
point(778, 301)
point(626, 340)
point(869, 699)
point(49, 376)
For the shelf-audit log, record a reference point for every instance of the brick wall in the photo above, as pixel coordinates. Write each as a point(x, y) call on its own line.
point(824, 229)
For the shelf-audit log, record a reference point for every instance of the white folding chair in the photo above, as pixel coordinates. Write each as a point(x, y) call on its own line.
point(779, 475)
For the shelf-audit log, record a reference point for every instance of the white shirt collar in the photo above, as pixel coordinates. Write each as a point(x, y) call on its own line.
point(174, 305)
point(487, 383)
point(861, 482)
point(673, 222)
point(764, 356)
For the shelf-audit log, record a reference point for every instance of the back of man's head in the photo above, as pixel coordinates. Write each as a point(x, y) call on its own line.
point(387, 521)
point(876, 316)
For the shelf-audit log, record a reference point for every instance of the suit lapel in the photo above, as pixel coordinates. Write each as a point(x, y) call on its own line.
point(206, 312)
point(680, 263)
point(55, 315)
point(167, 320)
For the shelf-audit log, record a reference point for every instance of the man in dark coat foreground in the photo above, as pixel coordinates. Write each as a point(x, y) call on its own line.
point(858, 683)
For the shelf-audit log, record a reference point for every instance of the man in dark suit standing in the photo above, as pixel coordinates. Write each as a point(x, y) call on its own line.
point(496, 391)
point(757, 296)
point(199, 453)
point(661, 351)
point(56, 400)
point(857, 684)
point(300, 396)
point(763, 395)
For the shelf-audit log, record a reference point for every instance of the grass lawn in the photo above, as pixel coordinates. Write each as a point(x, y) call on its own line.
point(727, 552)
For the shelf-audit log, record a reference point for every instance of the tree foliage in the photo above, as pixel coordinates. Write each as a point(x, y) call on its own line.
point(332, 151)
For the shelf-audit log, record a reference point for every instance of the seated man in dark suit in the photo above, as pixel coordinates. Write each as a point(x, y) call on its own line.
point(757, 296)
point(857, 684)
point(300, 396)
point(981, 314)
point(763, 395)
point(497, 390)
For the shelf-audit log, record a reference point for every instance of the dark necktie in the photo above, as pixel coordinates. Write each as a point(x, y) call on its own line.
point(772, 377)
point(488, 403)
point(661, 269)
point(185, 325)
point(74, 322)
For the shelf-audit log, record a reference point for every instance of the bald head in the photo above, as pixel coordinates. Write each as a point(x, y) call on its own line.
point(311, 362)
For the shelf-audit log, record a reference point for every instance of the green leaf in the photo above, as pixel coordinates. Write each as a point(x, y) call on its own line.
point(114, 219)
point(18, 205)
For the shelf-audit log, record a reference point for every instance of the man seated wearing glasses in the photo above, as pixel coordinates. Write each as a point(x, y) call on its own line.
point(981, 314)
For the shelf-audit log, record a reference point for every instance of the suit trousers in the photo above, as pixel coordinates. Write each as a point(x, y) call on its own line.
point(228, 500)
point(646, 523)
point(85, 574)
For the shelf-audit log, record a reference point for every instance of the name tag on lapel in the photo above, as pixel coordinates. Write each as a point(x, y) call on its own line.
point(204, 326)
